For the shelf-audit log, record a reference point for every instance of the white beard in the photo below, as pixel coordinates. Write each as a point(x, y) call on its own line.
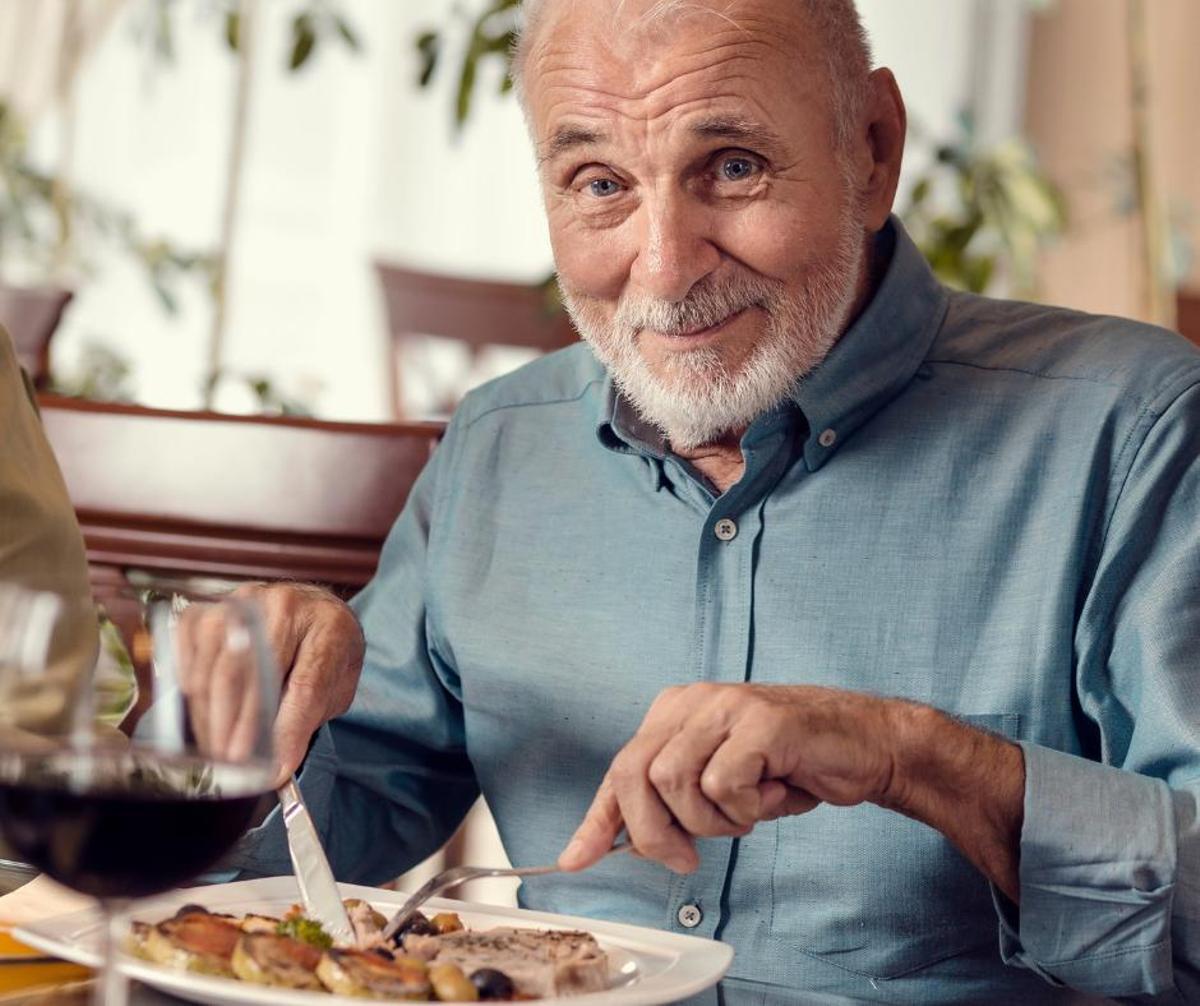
point(695, 398)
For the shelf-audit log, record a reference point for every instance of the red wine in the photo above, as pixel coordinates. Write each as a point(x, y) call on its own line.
point(124, 825)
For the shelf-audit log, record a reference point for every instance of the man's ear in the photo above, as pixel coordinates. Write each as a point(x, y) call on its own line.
point(886, 124)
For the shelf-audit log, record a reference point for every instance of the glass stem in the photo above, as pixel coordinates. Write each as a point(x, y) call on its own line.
point(111, 987)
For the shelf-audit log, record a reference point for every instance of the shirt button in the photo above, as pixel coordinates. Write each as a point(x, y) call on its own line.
point(689, 916)
point(725, 529)
point(827, 438)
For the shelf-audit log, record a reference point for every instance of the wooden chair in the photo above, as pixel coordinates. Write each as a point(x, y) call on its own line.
point(233, 497)
point(477, 313)
point(31, 314)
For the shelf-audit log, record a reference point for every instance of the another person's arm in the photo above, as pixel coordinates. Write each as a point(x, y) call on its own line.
point(40, 543)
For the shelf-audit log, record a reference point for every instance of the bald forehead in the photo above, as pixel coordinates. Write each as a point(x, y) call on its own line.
point(616, 24)
point(636, 47)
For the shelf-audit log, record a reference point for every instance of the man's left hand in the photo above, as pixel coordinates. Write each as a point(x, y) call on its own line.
point(713, 760)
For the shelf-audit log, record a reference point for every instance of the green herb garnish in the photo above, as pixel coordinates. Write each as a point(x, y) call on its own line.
point(306, 931)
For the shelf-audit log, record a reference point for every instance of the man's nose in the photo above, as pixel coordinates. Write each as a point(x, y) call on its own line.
point(674, 250)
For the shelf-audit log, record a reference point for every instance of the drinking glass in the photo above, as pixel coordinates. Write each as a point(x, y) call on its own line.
point(120, 816)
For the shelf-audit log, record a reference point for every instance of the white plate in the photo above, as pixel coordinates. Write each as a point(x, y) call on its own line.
point(649, 966)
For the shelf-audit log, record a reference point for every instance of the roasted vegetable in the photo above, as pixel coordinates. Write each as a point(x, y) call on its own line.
point(451, 985)
point(492, 984)
point(418, 925)
point(269, 959)
point(306, 931)
point(446, 922)
point(367, 975)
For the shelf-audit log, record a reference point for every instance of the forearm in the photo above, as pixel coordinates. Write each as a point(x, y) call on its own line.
point(964, 782)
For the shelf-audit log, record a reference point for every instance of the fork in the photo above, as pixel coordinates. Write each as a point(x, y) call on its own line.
point(460, 875)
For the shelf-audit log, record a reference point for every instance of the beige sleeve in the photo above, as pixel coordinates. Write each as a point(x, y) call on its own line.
point(40, 542)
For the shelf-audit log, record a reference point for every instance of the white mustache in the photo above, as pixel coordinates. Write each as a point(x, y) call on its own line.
point(707, 304)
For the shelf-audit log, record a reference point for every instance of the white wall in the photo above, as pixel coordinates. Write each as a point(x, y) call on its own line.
point(348, 161)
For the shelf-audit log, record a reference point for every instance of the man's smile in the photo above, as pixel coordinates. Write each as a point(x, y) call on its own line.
point(696, 337)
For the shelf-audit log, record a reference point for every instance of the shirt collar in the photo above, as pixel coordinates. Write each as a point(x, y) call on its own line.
point(878, 355)
point(867, 367)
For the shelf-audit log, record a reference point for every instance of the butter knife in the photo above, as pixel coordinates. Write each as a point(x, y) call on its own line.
point(318, 889)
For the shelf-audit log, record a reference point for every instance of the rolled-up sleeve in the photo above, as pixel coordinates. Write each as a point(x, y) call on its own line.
point(388, 782)
point(1097, 876)
point(1110, 847)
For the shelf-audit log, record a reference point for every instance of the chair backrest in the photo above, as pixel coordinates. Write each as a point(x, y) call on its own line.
point(186, 494)
point(31, 314)
point(477, 313)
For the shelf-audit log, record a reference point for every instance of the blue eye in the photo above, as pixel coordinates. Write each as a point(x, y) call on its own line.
point(738, 169)
point(603, 187)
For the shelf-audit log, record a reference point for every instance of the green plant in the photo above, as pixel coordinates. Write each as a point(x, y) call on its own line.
point(311, 24)
point(52, 233)
point(45, 240)
point(978, 210)
point(492, 33)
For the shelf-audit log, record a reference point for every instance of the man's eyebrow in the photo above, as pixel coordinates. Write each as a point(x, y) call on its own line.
point(567, 138)
point(745, 132)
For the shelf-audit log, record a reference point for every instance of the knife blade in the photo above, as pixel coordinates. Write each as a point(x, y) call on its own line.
point(318, 889)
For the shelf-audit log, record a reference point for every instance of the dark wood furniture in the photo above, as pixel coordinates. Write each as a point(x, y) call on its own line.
point(477, 313)
point(31, 314)
point(233, 497)
point(1188, 314)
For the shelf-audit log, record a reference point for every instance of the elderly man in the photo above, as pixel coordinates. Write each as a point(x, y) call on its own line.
point(866, 607)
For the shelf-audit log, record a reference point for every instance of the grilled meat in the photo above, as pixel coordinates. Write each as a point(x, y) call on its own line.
point(539, 963)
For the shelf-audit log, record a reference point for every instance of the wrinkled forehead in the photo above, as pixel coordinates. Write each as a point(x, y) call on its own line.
point(643, 60)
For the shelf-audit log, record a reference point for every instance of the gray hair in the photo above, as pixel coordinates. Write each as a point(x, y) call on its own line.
point(837, 24)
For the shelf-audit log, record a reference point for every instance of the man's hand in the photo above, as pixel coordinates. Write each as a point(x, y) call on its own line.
point(319, 647)
point(713, 760)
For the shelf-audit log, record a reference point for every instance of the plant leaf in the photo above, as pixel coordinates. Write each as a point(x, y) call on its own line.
point(304, 41)
point(347, 32)
point(233, 29)
point(429, 47)
point(466, 84)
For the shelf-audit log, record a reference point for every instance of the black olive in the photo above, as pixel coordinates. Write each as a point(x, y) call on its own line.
point(418, 925)
point(492, 984)
point(383, 952)
point(191, 910)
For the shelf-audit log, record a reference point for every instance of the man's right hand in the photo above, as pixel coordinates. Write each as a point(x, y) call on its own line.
point(319, 647)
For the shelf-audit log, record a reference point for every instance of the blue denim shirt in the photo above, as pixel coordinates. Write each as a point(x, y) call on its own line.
point(987, 506)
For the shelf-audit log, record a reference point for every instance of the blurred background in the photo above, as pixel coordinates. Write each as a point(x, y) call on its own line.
point(237, 204)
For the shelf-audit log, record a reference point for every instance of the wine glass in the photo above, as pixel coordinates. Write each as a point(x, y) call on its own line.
point(120, 816)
